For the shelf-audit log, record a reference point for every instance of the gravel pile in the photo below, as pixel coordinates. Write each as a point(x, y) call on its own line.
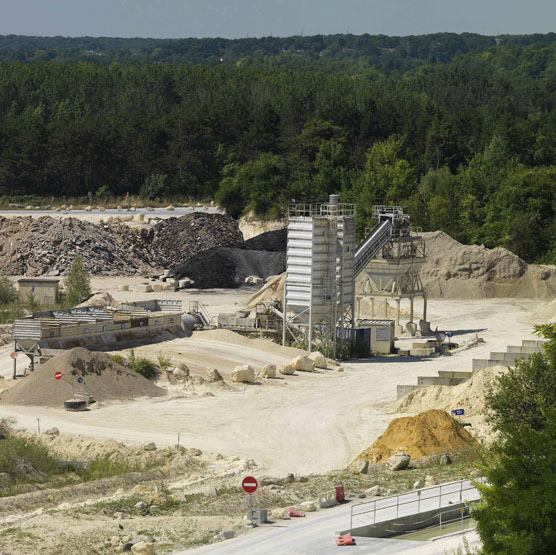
point(228, 267)
point(177, 240)
point(101, 377)
point(47, 246)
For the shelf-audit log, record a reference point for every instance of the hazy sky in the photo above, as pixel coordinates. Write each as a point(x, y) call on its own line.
point(239, 18)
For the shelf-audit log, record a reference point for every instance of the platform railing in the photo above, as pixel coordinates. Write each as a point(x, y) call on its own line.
point(411, 502)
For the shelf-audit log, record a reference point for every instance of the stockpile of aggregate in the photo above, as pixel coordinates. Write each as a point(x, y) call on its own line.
point(429, 433)
point(274, 241)
point(453, 270)
point(102, 378)
point(47, 246)
point(228, 267)
point(177, 240)
point(469, 395)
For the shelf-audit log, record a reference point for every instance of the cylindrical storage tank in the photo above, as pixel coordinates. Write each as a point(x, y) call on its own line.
point(189, 322)
point(333, 200)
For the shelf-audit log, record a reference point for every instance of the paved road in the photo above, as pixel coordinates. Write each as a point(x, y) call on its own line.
point(314, 535)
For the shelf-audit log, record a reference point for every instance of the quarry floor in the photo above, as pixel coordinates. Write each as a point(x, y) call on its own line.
point(305, 423)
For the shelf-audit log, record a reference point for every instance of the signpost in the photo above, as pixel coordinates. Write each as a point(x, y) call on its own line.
point(250, 485)
point(458, 412)
point(13, 355)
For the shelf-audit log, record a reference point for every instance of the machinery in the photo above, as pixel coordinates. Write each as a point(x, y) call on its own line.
point(321, 306)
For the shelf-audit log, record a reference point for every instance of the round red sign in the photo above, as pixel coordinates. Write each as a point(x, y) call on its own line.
point(58, 375)
point(14, 354)
point(249, 484)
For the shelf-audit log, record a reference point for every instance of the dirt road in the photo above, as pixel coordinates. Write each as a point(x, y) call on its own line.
point(302, 424)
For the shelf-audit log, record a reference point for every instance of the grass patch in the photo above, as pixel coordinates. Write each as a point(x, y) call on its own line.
point(18, 534)
point(106, 468)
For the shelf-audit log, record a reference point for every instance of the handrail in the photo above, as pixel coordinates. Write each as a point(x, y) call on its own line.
point(197, 307)
point(416, 497)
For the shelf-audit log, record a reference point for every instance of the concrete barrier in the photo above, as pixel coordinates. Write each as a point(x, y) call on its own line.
point(479, 364)
point(327, 499)
point(454, 374)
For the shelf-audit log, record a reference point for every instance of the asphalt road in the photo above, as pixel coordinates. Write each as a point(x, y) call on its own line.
point(314, 534)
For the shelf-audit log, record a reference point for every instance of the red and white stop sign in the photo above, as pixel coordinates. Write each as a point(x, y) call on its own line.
point(58, 375)
point(249, 484)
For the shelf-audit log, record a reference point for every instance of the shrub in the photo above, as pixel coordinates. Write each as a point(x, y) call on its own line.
point(164, 361)
point(118, 359)
point(144, 367)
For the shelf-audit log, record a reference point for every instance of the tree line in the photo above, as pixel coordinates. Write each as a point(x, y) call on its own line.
point(329, 53)
point(469, 149)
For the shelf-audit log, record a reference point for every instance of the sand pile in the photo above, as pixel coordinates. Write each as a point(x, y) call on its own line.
point(546, 314)
point(469, 395)
point(102, 378)
point(101, 300)
point(429, 433)
point(453, 270)
point(273, 290)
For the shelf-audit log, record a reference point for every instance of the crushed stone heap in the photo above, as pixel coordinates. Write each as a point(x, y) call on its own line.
point(177, 240)
point(103, 378)
point(47, 246)
point(429, 433)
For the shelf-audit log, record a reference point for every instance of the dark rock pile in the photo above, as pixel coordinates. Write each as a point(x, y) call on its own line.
point(47, 246)
point(179, 239)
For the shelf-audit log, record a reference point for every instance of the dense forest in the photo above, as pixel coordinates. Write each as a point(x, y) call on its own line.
point(460, 129)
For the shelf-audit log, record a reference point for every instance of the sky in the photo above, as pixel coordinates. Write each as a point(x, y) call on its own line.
point(258, 18)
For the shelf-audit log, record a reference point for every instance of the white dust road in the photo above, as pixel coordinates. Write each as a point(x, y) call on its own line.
point(95, 215)
point(315, 422)
point(314, 534)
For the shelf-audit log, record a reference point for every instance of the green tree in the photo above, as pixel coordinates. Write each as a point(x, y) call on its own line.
point(518, 514)
point(153, 187)
point(77, 282)
point(8, 293)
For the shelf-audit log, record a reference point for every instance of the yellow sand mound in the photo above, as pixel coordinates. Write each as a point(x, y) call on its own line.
point(428, 433)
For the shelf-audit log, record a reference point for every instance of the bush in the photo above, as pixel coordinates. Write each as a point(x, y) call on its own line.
point(164, 361)
point(144, 367)
point(103, 192)
point(118, 359)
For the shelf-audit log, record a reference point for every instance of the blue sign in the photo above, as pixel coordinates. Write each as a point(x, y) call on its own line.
point(448, 334)
point(79, 380)
point(458, 412)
